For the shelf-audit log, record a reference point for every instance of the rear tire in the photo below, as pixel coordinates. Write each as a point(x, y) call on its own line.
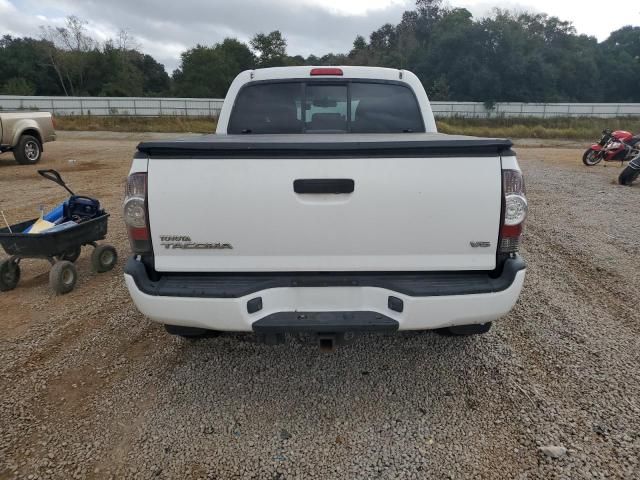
point(28, 151)
point(591, 158)
point(628, 176)
point(188, 332)
point(466, 330)
point(63, 277)
point(103, 258)
point(9, 275)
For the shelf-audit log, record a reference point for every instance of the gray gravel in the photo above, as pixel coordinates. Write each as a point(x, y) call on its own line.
point(93, 390)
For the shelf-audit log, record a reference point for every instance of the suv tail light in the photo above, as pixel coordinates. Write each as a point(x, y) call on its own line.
point(514, 211)
point(136, 214)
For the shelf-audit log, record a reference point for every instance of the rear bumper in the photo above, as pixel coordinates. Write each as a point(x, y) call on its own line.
point(415, 301)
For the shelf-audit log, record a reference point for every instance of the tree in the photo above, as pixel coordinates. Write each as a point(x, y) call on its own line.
point(359, 54)
point(26, 58)
point(120, 76)
point(429, 8)
point(620, 62)
point(67, 48)
point(295, 61)
point(208, 71)
point(17, 86)
point(429, 12)
point(439, 89)
point(271, 49)
point(156, 81)
point(359, 44)
point(505, 56)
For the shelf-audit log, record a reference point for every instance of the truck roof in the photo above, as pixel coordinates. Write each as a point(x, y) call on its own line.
point(377, 73)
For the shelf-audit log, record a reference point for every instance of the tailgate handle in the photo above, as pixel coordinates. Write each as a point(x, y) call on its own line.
point(324, 185)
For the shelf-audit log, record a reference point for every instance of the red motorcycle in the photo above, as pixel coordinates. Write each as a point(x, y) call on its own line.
point(618, 146)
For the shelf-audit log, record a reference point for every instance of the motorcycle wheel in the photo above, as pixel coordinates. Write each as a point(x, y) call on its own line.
point(628, 175)
point(591, 157)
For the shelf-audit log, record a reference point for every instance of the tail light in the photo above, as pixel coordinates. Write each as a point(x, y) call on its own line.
point(515, 209)
point(326, 71)
point(136, 214)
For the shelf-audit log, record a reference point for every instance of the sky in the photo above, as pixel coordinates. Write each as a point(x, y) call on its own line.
point(165, 28)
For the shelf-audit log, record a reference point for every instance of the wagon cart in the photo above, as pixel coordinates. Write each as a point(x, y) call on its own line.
point(60, 247)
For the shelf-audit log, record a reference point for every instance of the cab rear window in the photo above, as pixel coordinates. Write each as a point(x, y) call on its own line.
point(325, 107)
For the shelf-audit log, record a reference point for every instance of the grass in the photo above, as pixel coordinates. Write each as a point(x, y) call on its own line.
point(574, 128)
point(137, 124)
point(582, 128)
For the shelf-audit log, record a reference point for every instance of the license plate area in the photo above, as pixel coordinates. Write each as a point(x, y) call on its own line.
point(325, 322)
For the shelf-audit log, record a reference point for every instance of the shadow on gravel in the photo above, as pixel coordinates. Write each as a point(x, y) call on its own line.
point(371, 378)
point(6, 160)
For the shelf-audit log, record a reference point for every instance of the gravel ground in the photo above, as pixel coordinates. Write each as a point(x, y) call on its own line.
point(91, 389)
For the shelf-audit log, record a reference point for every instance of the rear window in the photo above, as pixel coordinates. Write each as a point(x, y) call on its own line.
point(315, 107)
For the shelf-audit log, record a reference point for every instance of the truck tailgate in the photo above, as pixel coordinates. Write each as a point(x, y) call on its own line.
point(433, 205)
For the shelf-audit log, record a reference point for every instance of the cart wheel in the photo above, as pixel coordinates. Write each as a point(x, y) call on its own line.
point(103, 258)
point(9, 275)
point(63, 277)
point(70, 255)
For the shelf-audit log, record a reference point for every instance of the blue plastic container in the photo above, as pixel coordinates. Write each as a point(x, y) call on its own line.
point(54, 216)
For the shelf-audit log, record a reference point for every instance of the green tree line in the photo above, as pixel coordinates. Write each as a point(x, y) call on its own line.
point(67, 61)
point(521, 57)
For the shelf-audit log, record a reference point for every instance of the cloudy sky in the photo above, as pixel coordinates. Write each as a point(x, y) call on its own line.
point(166, 28)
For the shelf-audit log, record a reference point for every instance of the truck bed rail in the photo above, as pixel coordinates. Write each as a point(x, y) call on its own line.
point(426, 145)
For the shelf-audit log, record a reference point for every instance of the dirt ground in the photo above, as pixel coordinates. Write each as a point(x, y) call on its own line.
point(91, 389)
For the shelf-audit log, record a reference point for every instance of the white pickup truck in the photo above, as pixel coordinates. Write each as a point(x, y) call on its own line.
point(326, 204)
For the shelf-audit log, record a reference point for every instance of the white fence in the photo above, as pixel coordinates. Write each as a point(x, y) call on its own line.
point(541, 110)
point(114, 106)
point(210, 107)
